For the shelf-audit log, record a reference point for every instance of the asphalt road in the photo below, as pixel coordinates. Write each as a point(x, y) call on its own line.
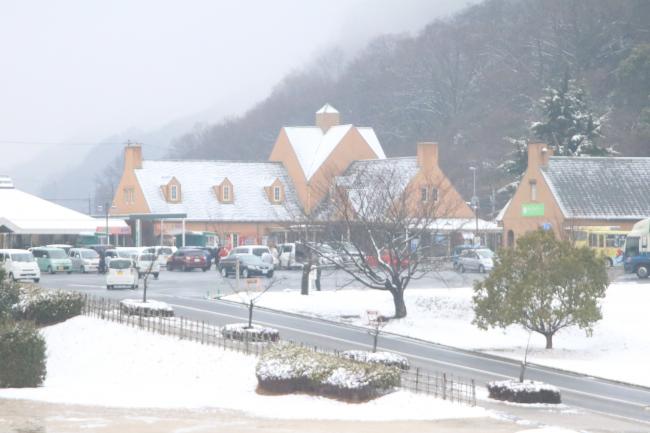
point(187, 293)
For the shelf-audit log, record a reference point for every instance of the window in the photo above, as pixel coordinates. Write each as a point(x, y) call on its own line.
point(129, 195)
point(225, 193)
point(276, 193)
point(533, 190)
point(424, 194)
point(434, 194)
point(174, 193)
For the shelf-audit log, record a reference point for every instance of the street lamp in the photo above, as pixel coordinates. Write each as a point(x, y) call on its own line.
point(475, 203)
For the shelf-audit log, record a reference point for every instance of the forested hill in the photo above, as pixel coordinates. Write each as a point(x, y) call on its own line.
point(466, 82)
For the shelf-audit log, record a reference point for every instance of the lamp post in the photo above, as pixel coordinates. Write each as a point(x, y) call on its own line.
point(107, 236)
point(474, 201)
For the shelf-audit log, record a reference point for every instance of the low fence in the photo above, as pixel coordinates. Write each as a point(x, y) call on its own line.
point(437, 384)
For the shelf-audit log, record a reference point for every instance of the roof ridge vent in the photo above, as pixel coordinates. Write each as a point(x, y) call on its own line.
point(6, 182)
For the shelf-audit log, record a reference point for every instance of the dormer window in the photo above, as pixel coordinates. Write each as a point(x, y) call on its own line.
point(172, 191)
point(275, 191)
point(428, 194)
point(424, 194)
point(224, 192)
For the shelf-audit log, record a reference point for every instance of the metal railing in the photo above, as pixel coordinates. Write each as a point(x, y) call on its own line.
point(437, 384)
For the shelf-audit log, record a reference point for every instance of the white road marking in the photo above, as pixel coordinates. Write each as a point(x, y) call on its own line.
point(87, 285)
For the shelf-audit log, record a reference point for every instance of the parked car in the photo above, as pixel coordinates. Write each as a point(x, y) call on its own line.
point(163, 253)
point(455, 254)
point(20, 265)
point(249, 265)
point(52, 260)
point(121, 273)
point(347, 252)
point(479, 259)
point(147, 262)
point(210, 253)
point(294, 255)
point(261, 251)
point(64, 247)
point(84, 260)
point(188, 259)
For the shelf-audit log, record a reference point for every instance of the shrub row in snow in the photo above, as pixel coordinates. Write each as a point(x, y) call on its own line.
point(22, 355)
point(256, 333)
point(527, 391)
point(385, 358)
point(287, 368)
point(47, 307)
point(136, 307)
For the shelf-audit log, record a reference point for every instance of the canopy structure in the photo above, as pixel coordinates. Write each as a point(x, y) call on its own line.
point(23, 213)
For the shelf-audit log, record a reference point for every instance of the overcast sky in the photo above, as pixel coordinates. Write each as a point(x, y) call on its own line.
point(81, 70)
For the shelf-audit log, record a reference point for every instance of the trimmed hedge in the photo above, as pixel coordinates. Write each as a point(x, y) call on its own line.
point(9, 296)
point(22, 355)
point(527, 391)
point(385, 358)
point(135, 307)
point(45, 307)
point(255, 334)
point(287, 368)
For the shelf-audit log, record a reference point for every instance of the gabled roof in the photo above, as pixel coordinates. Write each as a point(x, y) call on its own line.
point(327, 108)
point(600, 187)
point(312, 146)
point(199, 202)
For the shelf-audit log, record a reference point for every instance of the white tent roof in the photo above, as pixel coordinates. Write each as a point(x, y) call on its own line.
point(23, 213)
point(463, 225)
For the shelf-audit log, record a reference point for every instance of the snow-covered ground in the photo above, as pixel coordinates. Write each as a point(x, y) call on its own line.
point(619, 348)
point(94, 362)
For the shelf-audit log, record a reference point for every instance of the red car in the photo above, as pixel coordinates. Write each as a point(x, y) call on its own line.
point(186, 260)
point(385, 257)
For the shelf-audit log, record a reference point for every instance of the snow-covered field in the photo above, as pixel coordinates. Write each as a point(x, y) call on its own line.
point(619, 348)
point(94, 362)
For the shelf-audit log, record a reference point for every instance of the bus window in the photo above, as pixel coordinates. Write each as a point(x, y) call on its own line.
point(610, 241)
point(593, 240)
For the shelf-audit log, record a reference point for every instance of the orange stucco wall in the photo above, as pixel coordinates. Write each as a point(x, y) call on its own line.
point(122, 206)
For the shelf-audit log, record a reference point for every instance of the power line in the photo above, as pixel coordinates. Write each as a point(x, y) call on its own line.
point(67, 143)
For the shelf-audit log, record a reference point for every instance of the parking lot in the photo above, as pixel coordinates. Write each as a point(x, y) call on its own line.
point(201, 284)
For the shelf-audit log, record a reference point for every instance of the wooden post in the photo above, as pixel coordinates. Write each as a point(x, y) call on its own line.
point(444, 386)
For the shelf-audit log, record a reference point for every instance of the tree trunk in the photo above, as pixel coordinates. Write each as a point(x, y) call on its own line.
point(549, 341)
point(304, 283)
point(250, 314)
point(318, 271)
point(400, 306)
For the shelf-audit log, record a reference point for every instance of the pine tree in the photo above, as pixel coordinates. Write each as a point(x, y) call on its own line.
point(569, 126)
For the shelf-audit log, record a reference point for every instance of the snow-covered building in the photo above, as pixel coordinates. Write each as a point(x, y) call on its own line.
point(567, 193)
point(254, 202)
point(27, 220)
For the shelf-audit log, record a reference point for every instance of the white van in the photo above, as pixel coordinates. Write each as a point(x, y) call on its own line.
point(163, 253)
point(261, 251)
point(20, 265)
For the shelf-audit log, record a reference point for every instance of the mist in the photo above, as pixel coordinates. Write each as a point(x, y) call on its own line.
point(76, 72)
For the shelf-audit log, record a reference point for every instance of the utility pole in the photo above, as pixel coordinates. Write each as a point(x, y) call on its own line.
point(475, 203)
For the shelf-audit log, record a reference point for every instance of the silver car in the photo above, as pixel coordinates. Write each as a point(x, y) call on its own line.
point(84, 260)
point(479, 260)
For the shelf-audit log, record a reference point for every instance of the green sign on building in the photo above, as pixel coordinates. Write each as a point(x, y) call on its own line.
point(532, 209)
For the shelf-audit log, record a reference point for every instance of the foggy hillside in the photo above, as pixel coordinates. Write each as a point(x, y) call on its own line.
point(466, 82)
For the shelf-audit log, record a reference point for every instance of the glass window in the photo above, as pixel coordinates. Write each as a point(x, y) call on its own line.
point(434, 194)
point(424, 194)
point(610, 241)
point(593, 240)
point(276, 193)
point(90, 254)
point(119, 264)
point(57, 254)
point(225, 193)
point(632, 246)
point(22, 257)
point(174, 193)
point(260, 251)
point(533, 191)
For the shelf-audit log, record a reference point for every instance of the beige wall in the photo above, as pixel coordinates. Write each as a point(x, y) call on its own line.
point(351, 148)
point(122, 206)
point(244, 230)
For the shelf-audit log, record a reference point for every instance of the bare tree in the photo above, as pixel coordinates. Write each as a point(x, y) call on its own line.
point(391, 215)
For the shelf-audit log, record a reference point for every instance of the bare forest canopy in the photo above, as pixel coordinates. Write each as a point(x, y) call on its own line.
point(467, 82)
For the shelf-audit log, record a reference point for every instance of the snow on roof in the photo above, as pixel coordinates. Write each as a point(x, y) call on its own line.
point(463, 225)
point(600, 187)
point(24, 213)
point(197, 179)
point(312, 147)
point(503, 211)
point(327, 108)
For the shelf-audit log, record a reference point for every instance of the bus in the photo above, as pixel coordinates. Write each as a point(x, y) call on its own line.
point(637, 249)
point(607, 241)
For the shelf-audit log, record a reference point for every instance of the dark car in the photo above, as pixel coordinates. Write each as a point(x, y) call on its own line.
point(209, 252)
point(249, 265)
point(188, 259)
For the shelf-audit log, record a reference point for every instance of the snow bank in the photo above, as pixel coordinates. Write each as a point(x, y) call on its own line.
point(619, 348)
point(94, 362)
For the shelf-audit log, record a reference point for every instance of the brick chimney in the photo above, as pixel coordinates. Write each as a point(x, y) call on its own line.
point(132, 157)
point(538, 155)
point(327, 117)
point(427, 153)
